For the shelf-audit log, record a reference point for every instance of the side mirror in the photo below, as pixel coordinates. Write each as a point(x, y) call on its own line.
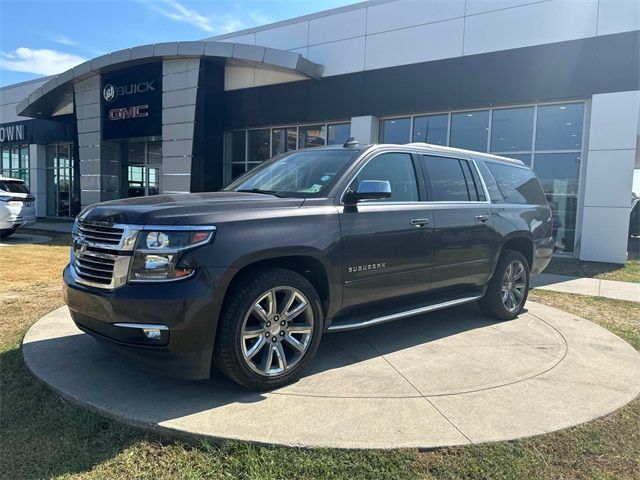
point(368, 190)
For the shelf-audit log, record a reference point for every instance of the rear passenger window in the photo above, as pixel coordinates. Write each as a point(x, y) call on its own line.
point(397, 169)
point(449, 179)
point(517, 184)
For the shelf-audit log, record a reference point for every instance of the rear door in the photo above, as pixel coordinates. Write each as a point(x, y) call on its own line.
point(387, 245)
point(464, 239)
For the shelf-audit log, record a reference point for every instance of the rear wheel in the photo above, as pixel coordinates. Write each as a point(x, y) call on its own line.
point(6, 233)
point(270, 329)
point(509, 287)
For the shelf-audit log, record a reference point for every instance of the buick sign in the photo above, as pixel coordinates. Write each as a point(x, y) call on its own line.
point(109, 92)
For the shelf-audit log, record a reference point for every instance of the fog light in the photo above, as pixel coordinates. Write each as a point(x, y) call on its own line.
point(152, 333)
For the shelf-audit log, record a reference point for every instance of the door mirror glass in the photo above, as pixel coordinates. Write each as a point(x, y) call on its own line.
point(369, 190)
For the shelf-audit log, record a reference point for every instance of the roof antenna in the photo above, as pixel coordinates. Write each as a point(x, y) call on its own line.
point(351, 142)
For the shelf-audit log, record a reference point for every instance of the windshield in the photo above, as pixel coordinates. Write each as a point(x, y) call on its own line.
point(307, 173)
point(13, 187)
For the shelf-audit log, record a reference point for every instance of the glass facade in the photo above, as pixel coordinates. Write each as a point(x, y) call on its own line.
point(14, 162)
point(63, 189)
point(244, 149)
point(547, 137)
point(143, 161)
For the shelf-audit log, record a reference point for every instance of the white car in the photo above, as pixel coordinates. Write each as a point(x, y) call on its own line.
point(17, 206)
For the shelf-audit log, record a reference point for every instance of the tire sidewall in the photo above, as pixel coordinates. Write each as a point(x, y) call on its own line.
point(495, 306)
point(236, 316)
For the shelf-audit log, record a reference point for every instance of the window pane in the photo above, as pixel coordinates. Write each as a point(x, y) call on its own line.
point(469, 130)
point(446, 178)
point(283, 140)
point(235, 146)
point(560, 127)
point(258, 143)
point(233, 170)
point(512, 129)
point(558, 172)
point(312, 136)
point(518, 185)
point(338, 133)
point(431, 129)
point(397, 169)
point(396, 130)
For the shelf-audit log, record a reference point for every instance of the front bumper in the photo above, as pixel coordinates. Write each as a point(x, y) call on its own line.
point(189, 309)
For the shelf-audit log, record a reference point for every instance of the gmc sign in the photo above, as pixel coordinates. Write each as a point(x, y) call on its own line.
point(138, 111)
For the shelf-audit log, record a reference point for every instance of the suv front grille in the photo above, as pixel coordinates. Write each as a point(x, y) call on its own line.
point(100, 234)
point(101, 253)
point(95, 266)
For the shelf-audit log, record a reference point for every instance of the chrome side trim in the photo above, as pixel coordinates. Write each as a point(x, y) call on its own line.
point(142, 326)
point(407, 313)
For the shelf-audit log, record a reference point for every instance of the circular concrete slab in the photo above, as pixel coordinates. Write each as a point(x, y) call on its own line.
point(448, 378)
point(23, 239)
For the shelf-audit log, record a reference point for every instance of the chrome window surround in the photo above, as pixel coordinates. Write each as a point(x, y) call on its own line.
point(127, 244)
point(409, 150)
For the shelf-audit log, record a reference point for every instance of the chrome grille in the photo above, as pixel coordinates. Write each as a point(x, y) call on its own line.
point(100, 234)
point(94, 266)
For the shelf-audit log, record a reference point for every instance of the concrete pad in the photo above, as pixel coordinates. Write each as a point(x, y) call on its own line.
point(448, 378)
point(23, 239)
point(620, 290)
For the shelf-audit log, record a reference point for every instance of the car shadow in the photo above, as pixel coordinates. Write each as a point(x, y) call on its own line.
point(93, 375)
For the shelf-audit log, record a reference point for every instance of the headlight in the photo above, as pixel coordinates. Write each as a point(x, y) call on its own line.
point(159, 248)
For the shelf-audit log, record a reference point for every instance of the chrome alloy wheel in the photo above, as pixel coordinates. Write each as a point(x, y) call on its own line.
point(513, 286)
point(277, 330)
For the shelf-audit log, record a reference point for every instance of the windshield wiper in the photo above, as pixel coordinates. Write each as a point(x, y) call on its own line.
point(259, 190)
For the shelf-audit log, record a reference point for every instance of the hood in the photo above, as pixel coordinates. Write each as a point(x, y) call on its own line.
point(184, 209)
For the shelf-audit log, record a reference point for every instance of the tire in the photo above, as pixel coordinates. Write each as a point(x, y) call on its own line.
point(7, 233)
point(254, 314)
point(495, 303)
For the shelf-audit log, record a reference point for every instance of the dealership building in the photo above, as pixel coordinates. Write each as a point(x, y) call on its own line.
point(555, 84)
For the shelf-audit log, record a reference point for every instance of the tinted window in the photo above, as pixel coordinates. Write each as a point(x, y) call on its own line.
point(397, 169)
point(338, 133)
point(258, 142)
point(395, 130)
point(13, 187)
point(312, 136)
point(511, 129)
point(448, 179)
point(560, 127)
point(470, 130)
point(492, 187)
point(431, 129)
point(518, 185)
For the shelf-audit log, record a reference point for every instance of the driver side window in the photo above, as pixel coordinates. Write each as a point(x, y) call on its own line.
point(397, 169)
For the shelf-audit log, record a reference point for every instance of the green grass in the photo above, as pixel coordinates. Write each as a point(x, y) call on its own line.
point(629, 272)
point(42, 436)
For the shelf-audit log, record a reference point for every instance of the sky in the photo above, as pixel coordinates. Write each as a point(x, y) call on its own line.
point(44, 37)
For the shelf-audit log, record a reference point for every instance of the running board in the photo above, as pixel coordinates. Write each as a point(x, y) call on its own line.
point(359, 323)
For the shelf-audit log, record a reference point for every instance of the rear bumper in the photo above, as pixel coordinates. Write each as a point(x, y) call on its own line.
point(16, 221)
point(542, 253)
point(188, 309)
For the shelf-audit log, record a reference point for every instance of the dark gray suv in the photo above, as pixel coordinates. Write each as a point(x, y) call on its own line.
point(325, 239)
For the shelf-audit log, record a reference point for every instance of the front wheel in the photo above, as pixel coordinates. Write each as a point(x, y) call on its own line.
point(508, 288)
point(270, 329)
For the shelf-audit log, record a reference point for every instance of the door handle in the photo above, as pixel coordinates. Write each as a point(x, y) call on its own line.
point(420, 222)
point(482, 218)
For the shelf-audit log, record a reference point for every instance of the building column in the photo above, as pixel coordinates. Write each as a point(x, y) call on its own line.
point(365, 129)
point(179, 92)
point(88, 114)
point(38, 177)
point(611, 155)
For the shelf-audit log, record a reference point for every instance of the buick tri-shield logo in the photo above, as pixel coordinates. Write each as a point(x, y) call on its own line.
point(109, 92)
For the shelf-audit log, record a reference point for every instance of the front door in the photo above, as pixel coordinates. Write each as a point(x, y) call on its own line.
point(144, 162)
point(387, 246)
